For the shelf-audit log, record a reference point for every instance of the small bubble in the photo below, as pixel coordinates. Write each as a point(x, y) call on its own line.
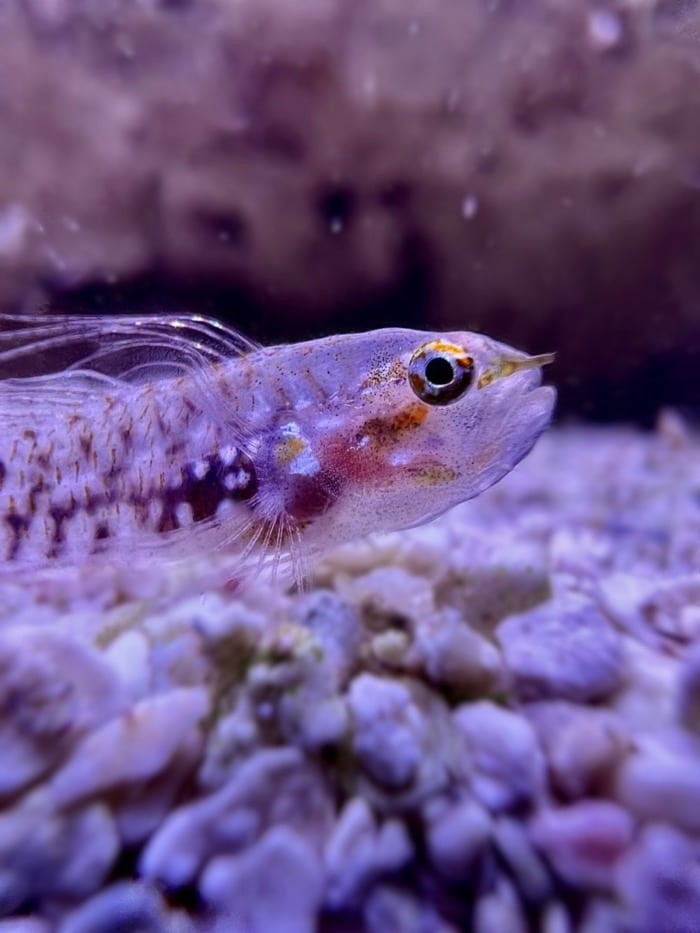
point(470, 206)
point(413, 27)
point(15, 223)
point(336, 225)
point(604, 29)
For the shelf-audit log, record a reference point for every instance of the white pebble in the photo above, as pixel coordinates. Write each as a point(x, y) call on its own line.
point(564, 649)
point(584, 841)
point(556, 919)
point(394, 909)
point(52, 690)
point(273, 886)
point(336, 626)
point(454, 655)
point(659, 882)
point(134, 747)
point(507, 766)
point(688, 691)
point(526, 865)
point(274, 786)
point(500, 910)
point(389, 730)
point(137, 906)
point(358, 851)
point(663, 783)
point(583, 746)
point(128, 655)
point(48, 854)
point(456, 834)
point(25, 925)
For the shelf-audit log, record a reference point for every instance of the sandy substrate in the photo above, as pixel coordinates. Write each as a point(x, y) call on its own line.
point(489, 723)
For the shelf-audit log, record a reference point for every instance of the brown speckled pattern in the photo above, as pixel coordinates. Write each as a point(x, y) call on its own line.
point(284, 449)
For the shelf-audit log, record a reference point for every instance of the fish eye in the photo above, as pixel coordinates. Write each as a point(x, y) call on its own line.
point(440, 373)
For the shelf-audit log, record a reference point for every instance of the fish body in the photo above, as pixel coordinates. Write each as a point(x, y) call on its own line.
point(125, 436)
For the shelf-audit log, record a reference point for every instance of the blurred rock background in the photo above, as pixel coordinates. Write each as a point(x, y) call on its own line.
point(531, 169)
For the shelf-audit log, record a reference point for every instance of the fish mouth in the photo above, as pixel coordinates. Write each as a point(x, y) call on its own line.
point(524, 395)
point(521, 407)
point(536, 403)
point(544, 398)
point(528, 417)
point(531, 383)
point(532, 407)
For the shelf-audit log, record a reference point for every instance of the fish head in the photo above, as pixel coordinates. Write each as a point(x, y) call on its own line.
point(435, 420)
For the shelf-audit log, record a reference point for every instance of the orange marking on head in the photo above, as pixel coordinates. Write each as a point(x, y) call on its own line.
point(454, 350)
point(288, 450)
point(444, 346)
point(432, 474)
point(485, 379)
point(389, 430)
point(410, 417)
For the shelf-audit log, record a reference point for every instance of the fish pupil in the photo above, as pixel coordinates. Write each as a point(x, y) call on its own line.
point(439, 371)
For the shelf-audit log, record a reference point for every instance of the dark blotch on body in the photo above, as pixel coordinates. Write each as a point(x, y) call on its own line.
point(102, 534)
point(59, 516)
point(19, 526)
point(86, 442)
point(310, 496)
point(205, 485)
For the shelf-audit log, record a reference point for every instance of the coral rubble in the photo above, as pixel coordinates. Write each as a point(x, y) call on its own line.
point(489, 723)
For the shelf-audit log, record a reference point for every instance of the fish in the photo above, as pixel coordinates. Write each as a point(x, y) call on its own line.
point(127, 438)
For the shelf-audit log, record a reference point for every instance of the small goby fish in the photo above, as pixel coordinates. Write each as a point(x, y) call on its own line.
point(122, 436)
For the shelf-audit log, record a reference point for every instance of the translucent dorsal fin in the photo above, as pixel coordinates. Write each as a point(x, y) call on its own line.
point(127, 349)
